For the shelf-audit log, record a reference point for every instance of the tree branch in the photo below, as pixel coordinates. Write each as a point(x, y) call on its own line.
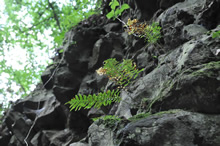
point(54, 14)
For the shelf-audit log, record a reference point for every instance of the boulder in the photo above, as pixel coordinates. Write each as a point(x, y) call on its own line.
point(175, 128)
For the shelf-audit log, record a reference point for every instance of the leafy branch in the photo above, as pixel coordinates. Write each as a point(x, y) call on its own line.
point(117, 9)
point(151, 33)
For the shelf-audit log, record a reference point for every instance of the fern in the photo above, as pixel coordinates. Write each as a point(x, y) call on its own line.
point(121, 73)
point(96, 101)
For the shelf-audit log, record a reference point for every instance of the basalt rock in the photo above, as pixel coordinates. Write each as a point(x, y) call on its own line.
point(174, 101)
point(177, 128)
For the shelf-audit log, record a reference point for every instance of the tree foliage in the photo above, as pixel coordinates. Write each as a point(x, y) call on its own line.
point(116, 9)
point(34, 28)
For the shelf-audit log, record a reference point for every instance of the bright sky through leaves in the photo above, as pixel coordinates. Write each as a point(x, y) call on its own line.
point(30, 30)
point(16, 57)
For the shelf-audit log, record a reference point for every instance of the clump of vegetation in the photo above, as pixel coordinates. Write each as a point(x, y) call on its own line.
point(151, 33)
point(120, 73)
point(148, 114)
point(139, 116)
point(109, 120)
point(216, 34)
point(117, 9)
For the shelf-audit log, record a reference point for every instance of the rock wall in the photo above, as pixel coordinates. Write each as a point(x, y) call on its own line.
point(180, 86)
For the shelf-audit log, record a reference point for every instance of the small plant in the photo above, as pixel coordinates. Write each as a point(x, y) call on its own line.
point(149, 114)
point(117, 9)
point(108, 117)
point(151, 33)
point(139, 116)
point(216, 34)
point(120, 73)
point(108, 121)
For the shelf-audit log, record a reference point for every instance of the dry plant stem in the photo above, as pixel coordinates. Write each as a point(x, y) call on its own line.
point(38, 106)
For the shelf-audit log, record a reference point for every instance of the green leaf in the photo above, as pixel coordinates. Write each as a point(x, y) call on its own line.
point(115, 12)
point(110, 14)
point(216, 34)
point(114, 4)
point(61, 51)
point(124, 7)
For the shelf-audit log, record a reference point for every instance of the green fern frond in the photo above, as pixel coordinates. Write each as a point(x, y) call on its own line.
point(96, 101)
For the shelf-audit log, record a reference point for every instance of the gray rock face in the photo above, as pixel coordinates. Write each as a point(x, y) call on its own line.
point(173, 102)
point(188, 12)
point(99, 135)
point(179, 128)
point(110, 45)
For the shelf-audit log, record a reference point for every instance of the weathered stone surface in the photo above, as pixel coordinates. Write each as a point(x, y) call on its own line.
point(188, 12)
point(196, 89)
point(5, 135)
point(193, 31)
point(164, 4)
point(22, 115)
point(99, 135)
point(175, 127)
point(78, 122)
point(112, 27)
point(179, 129)
point(124, 108)
point(79, 144)
point(14, 142)
point(143, 10)
point(78, 52)
point(66, 84)
point(47, 78)
point(54, 137)
point(103, 49)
